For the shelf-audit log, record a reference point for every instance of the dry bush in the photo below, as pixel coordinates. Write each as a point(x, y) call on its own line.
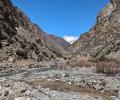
point(108, 67)
point(80, 62)
point(22, 53)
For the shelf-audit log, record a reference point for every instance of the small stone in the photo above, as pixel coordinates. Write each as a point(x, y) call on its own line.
point(28, 93)
point(0, 94)
point(119, 93)
point(98, 87)
point(69, 82)
point(11, 59)
point(98, 98)
point(0, 88)
point(6, 93)
point(65, 75)
point(23, 90)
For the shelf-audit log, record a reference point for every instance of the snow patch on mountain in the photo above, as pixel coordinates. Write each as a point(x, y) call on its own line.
point(70, 39)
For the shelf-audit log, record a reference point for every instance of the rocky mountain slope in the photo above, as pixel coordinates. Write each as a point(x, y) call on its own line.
point(60, 41)
point(103, 40)
point(21, 39)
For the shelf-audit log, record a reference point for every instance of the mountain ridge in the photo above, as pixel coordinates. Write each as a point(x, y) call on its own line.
point(102, 41)
point(22, 39)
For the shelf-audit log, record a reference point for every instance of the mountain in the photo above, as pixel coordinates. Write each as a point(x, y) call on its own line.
point(103, 39)
point(60, 41)
point(70, 39)
point(22, 39)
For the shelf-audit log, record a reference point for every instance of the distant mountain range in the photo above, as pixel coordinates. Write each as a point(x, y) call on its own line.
point(70, 39)
point(60, 41)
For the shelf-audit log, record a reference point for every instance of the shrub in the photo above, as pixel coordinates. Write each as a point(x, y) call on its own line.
point(40, 57)
point(22, 53)
point(33, 46)
point(39, 41)
point(45, 54)
point(108, 67)
point(80, 62)
point(11, 41)
point(23, 45)
point(0, 45)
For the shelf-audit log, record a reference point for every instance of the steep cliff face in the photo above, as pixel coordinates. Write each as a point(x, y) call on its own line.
point(21, 39)
point(103, 40)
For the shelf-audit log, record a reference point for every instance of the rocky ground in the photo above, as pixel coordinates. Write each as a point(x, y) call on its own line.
point(46, 82)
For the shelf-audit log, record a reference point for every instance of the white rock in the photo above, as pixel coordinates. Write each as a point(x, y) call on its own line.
point(28, 93)
point(0, 88)
point(16, 28)
point(22, 98)
point(69, 83)
point(119, 93)
point(11, 59)
point(98, 87)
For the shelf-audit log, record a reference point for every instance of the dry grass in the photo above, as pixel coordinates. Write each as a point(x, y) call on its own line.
point(108, 67)
point(80, 62)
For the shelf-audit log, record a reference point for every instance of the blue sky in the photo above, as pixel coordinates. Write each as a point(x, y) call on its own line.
point(62, 17)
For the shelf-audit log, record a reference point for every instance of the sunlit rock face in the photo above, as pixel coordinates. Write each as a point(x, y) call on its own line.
point(103, 39)
point(105, 12)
